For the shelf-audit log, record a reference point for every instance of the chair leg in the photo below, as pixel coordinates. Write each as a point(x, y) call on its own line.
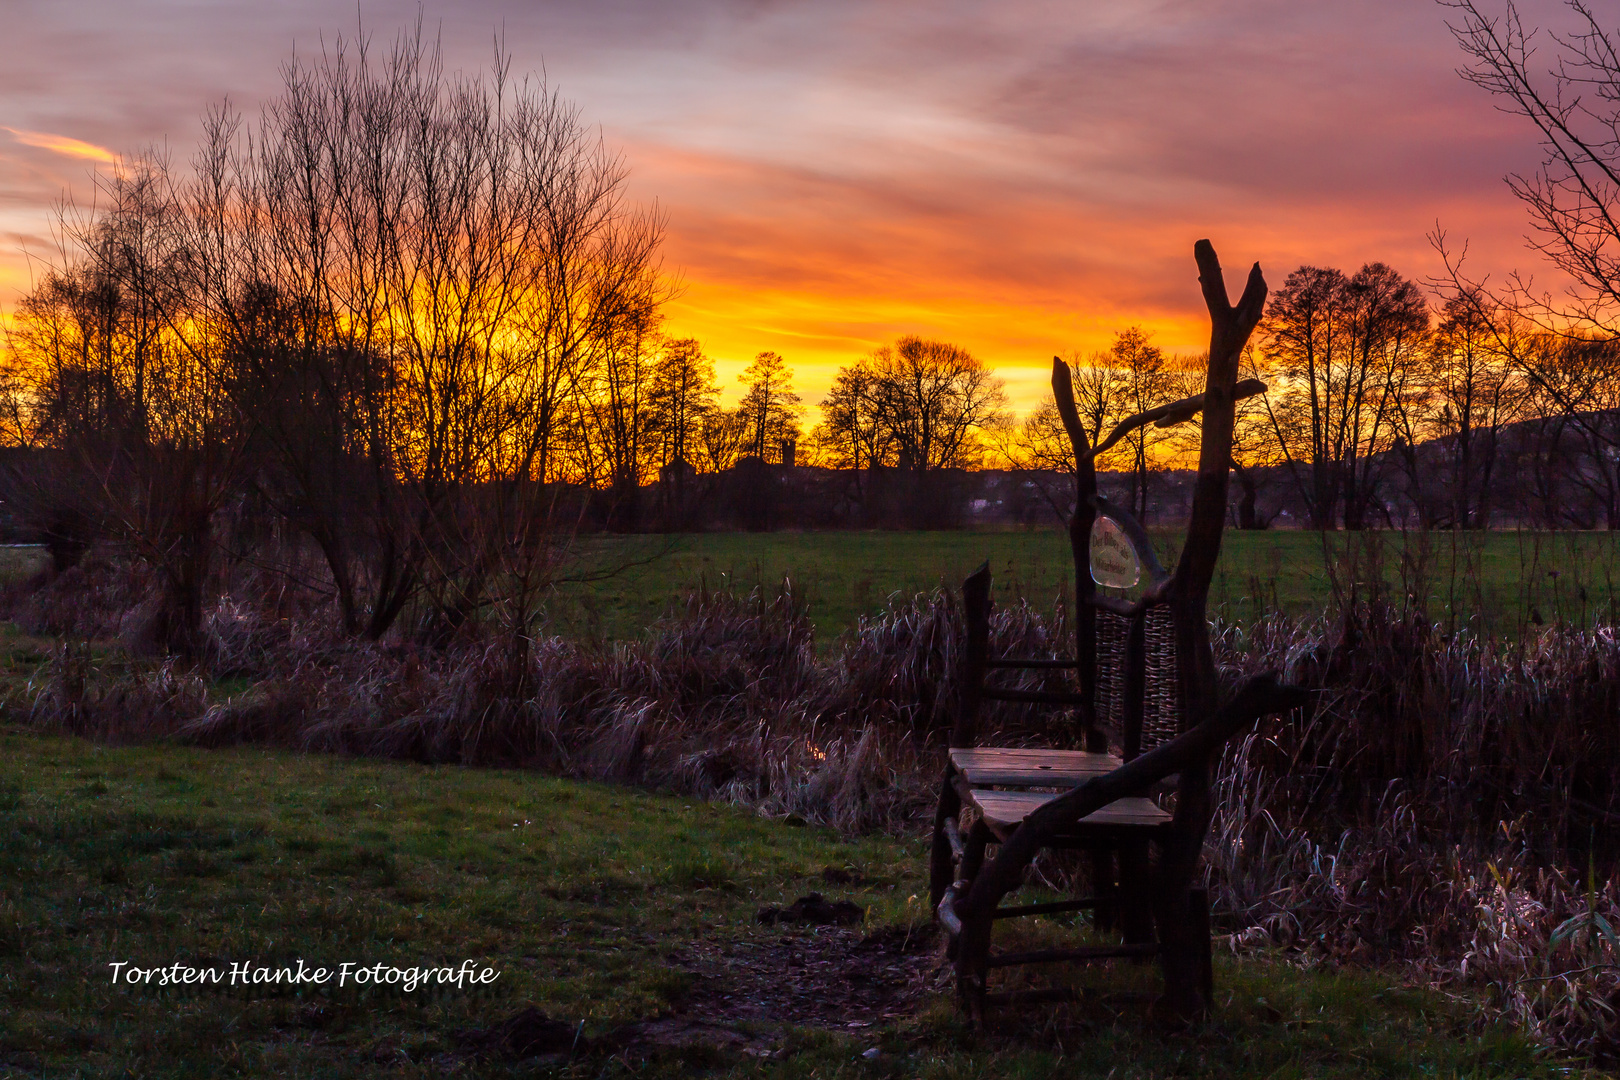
point(1104, 886)
point(973, 965)
point(972, 949)
point(971, 982)
point(1181, 957)
point(1198, 910)
point(942, 860)
point(978, 838)
point(1136, 922)
point(971, 952)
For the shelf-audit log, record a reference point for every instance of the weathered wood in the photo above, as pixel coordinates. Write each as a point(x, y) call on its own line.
point(964, 757)
point(1198, 912)
point(953, 836)
point(1259, 695)
point(1010, 767)
point(979, 837)
point(1175, 412)
point(942, 859)
point(1188, 598)
point(1157, 907)
point(1080, 522)
point(1135, 892)
point(946, 910)
point(976, 601)
point(964, 788)
point(1188, 595)
point(1009, 808)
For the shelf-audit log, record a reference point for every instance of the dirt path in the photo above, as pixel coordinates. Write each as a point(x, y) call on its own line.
point(746, 992)
point(831, 977)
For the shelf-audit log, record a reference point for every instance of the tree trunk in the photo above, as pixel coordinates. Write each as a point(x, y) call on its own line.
point(1248, 517)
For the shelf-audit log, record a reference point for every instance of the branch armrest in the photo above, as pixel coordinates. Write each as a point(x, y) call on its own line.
point(1173, 413)
point(1258, 696)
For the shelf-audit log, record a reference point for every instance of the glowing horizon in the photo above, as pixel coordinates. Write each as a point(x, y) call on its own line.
point(1022, 181)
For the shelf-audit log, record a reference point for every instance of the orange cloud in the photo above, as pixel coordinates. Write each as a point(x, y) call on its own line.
point(823, 270)
point(1021, 179)
point(62, 144)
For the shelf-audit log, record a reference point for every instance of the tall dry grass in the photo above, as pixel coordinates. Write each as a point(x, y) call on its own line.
point(1450, 803)
point(725, 698)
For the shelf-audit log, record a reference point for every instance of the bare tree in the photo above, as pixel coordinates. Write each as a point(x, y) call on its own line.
point(1255, 452)
point(1338, 350)
point(683, 391)
point(1141, 378)
point(1038, 446)
point(1585, 430)
point(723, 439)
point(1473, 392)
point(1099, 393)
point(1573, 201)
point(1387, 335)
point(106, 376)
point(1574, 105)
point(933, 398)
point(1131, 377)
point(1254, 446)
point(851, 435)
point(769, 406)
point(620, 445)
point(455, 278)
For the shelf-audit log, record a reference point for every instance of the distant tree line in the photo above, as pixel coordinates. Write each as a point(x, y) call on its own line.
point(1389, 406)
point(909, 414)
point(399, 341)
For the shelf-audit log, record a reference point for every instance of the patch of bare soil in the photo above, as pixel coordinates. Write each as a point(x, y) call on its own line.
point(827, 976)
point(833, 977)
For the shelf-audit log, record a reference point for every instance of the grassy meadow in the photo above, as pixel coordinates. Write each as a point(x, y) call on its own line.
point(1496, 581)
point(626, 916)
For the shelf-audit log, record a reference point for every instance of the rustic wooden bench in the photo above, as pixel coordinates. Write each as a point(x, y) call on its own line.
point(1137, 797)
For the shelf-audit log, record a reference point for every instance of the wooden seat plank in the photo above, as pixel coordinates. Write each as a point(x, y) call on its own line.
point(1023, 753)
point(1005, 809)
point(1015, 766)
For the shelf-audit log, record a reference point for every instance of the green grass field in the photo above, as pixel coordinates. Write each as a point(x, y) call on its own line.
point(1496, 581)
point(1499, 582)
point(601, 906)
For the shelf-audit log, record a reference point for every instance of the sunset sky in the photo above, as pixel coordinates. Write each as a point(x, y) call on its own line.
point(1021, 178)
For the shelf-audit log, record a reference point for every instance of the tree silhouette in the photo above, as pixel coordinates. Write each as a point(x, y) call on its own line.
point(1339, 348)
point(769, 408)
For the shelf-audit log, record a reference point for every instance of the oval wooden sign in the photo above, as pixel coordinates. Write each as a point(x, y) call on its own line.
point(1113, 559)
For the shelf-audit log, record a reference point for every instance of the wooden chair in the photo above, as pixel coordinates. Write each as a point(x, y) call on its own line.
point(1144, 667)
